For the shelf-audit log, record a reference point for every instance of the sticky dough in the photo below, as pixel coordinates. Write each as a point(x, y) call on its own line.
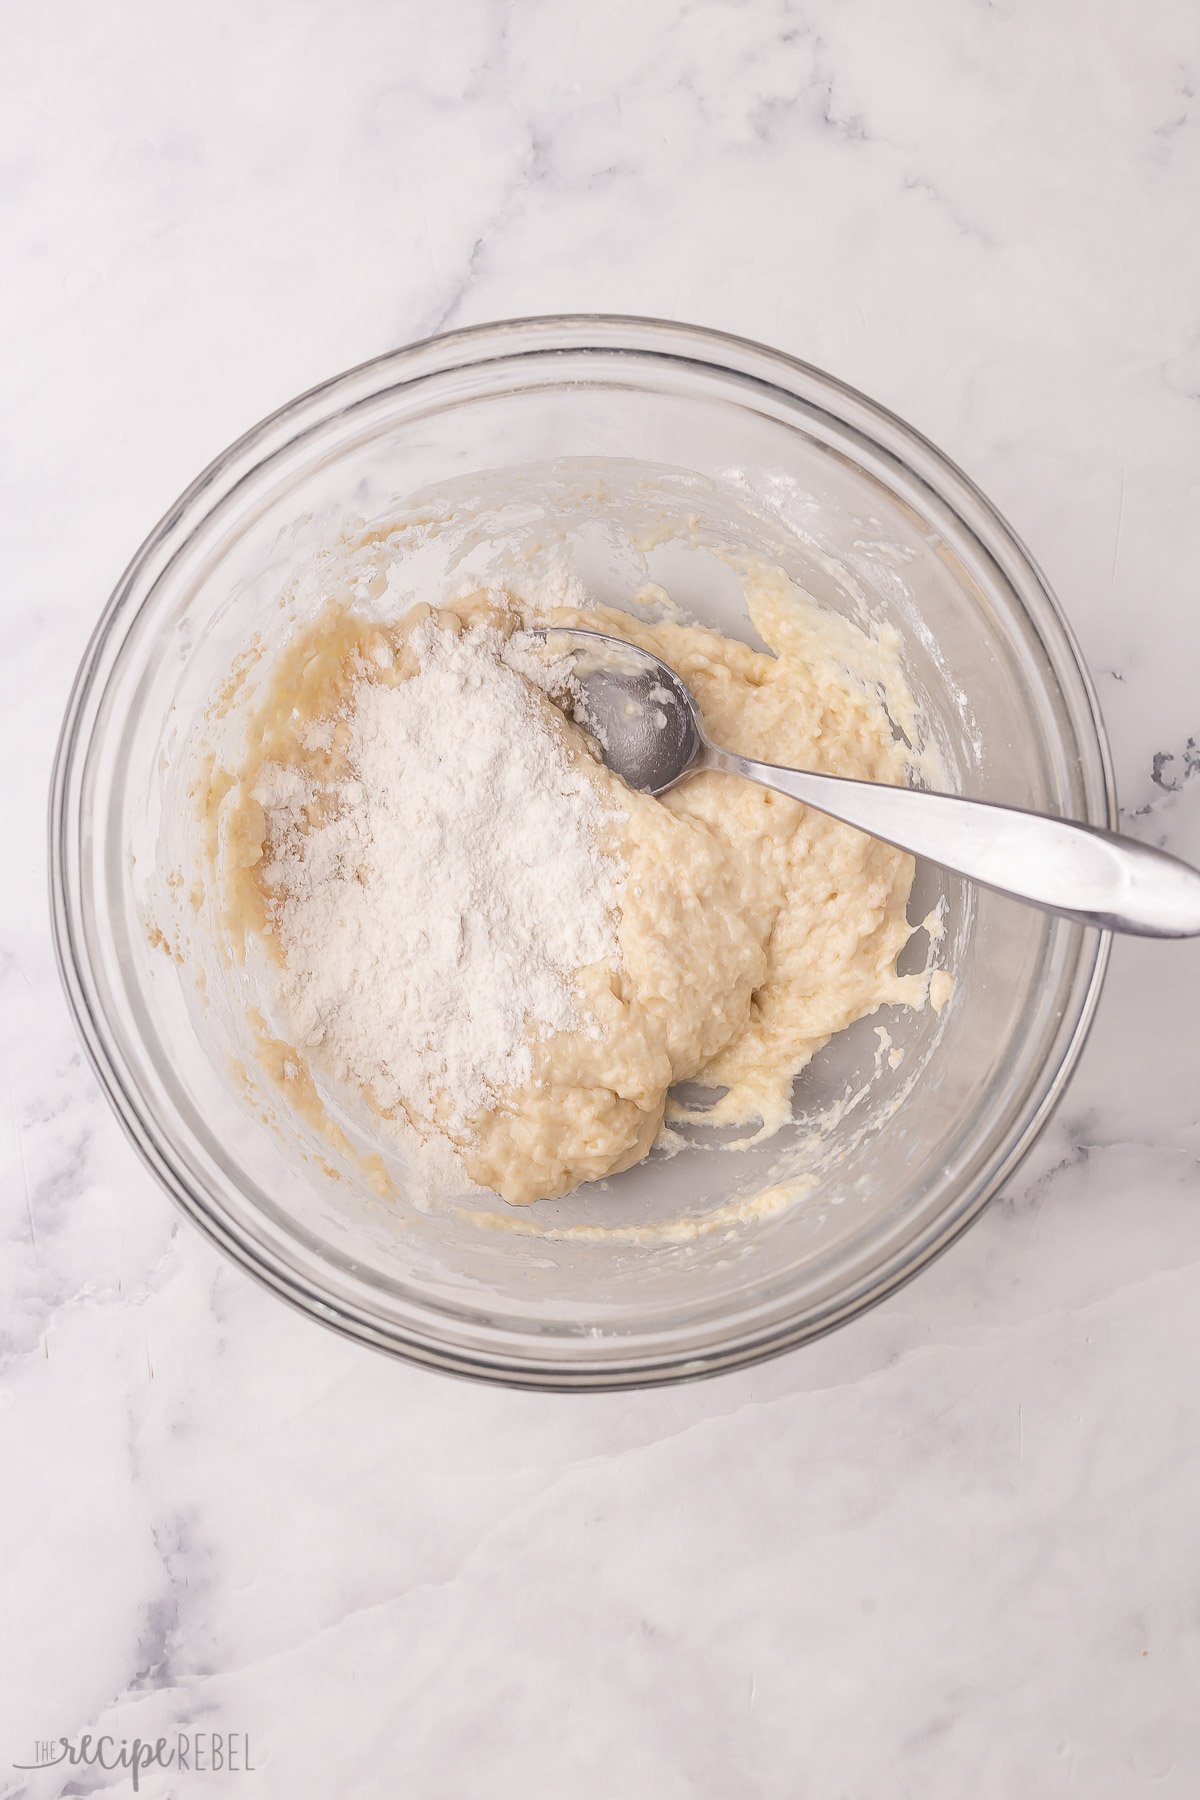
point(750, 931)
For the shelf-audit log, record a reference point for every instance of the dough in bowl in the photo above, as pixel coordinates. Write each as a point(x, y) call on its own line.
point(477, 930)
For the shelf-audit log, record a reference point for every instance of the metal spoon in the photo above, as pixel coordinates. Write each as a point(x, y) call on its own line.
point(648, 726)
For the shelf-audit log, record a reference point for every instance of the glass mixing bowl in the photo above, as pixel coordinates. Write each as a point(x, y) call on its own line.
point(607, 420)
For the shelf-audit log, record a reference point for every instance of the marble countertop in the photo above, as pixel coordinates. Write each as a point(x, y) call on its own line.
point(951, 1550)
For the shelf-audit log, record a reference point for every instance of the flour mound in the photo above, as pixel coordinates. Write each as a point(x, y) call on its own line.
point(433, 926)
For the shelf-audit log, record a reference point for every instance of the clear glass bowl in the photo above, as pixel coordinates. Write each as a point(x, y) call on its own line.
point(871, 519)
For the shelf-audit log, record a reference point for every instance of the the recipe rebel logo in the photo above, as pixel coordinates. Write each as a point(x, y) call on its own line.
point(187, 1752)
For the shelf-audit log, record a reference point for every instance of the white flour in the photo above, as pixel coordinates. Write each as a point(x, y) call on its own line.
point(434, 925)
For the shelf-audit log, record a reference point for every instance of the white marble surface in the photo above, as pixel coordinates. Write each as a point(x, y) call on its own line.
point(955, 1549)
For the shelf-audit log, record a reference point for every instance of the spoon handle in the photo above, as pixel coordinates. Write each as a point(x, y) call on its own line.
point(1094, 876)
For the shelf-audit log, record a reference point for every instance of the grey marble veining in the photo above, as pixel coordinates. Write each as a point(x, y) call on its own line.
point(954, 1549)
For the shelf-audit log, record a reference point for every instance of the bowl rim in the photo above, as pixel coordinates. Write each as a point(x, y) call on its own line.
point(538, 335)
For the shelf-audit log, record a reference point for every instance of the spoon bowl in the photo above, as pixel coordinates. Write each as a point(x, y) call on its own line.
point(641, 713)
